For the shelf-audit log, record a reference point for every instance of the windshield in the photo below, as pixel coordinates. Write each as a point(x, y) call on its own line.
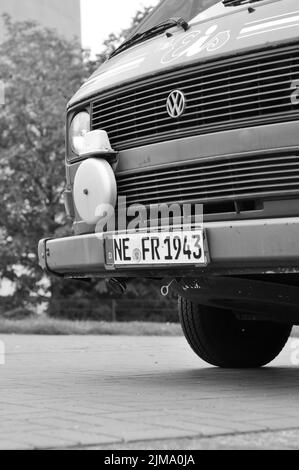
point(186, 9)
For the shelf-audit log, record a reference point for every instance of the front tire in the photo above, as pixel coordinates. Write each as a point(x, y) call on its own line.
point(218, 337)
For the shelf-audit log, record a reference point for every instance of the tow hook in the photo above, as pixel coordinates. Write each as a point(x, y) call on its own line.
point(165, 289)
point(117, 286)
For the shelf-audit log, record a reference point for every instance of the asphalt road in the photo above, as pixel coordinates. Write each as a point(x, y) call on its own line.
point(141, 393)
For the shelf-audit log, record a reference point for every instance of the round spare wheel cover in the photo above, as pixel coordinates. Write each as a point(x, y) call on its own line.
point(94, 185)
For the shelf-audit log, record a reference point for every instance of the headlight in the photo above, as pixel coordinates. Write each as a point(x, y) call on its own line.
point(80, 125)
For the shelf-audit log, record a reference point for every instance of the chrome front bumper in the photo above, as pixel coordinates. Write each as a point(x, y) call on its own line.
point(239, 247)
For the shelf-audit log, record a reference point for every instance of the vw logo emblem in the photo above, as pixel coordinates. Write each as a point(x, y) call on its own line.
point(176, 104)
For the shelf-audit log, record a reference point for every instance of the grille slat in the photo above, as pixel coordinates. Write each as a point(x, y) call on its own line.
point(212, 127)
point(194, 107)
point(160, 102)
point(228, 93)
point(225, 194)
point(134, 183)
point(163, 124)
point(193, 181)
point(159, 110)
point(156, 91)
point(218, 184)
point(215, 167)
point(206, 182)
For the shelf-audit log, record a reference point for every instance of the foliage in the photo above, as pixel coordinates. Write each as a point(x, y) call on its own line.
point(48, 326)
point(115, 39)
point(41, 72)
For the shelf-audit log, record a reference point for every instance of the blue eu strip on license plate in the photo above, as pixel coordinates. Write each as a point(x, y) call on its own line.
point(156, 249)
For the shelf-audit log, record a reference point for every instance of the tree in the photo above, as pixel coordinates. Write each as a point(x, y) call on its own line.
point(41, 71)
point(115, 39)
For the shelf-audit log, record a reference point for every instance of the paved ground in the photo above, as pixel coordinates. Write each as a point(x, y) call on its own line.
point(120, 392)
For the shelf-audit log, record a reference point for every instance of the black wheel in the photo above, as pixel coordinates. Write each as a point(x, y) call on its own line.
point(218, 337)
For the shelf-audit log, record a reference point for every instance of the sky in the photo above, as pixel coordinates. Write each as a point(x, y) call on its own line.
point(102, 17)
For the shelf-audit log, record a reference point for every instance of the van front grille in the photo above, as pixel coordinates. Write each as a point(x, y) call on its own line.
point(254, 89)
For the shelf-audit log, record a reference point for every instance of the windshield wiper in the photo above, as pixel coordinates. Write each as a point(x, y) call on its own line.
point(152, 32)
point(236, 3)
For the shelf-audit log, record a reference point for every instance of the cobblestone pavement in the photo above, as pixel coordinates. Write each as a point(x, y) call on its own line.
point(100, 392)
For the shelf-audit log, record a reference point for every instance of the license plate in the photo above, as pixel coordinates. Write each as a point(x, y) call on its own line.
point(157, 249)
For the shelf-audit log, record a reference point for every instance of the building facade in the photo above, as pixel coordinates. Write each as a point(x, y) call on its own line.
point(62, 15)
